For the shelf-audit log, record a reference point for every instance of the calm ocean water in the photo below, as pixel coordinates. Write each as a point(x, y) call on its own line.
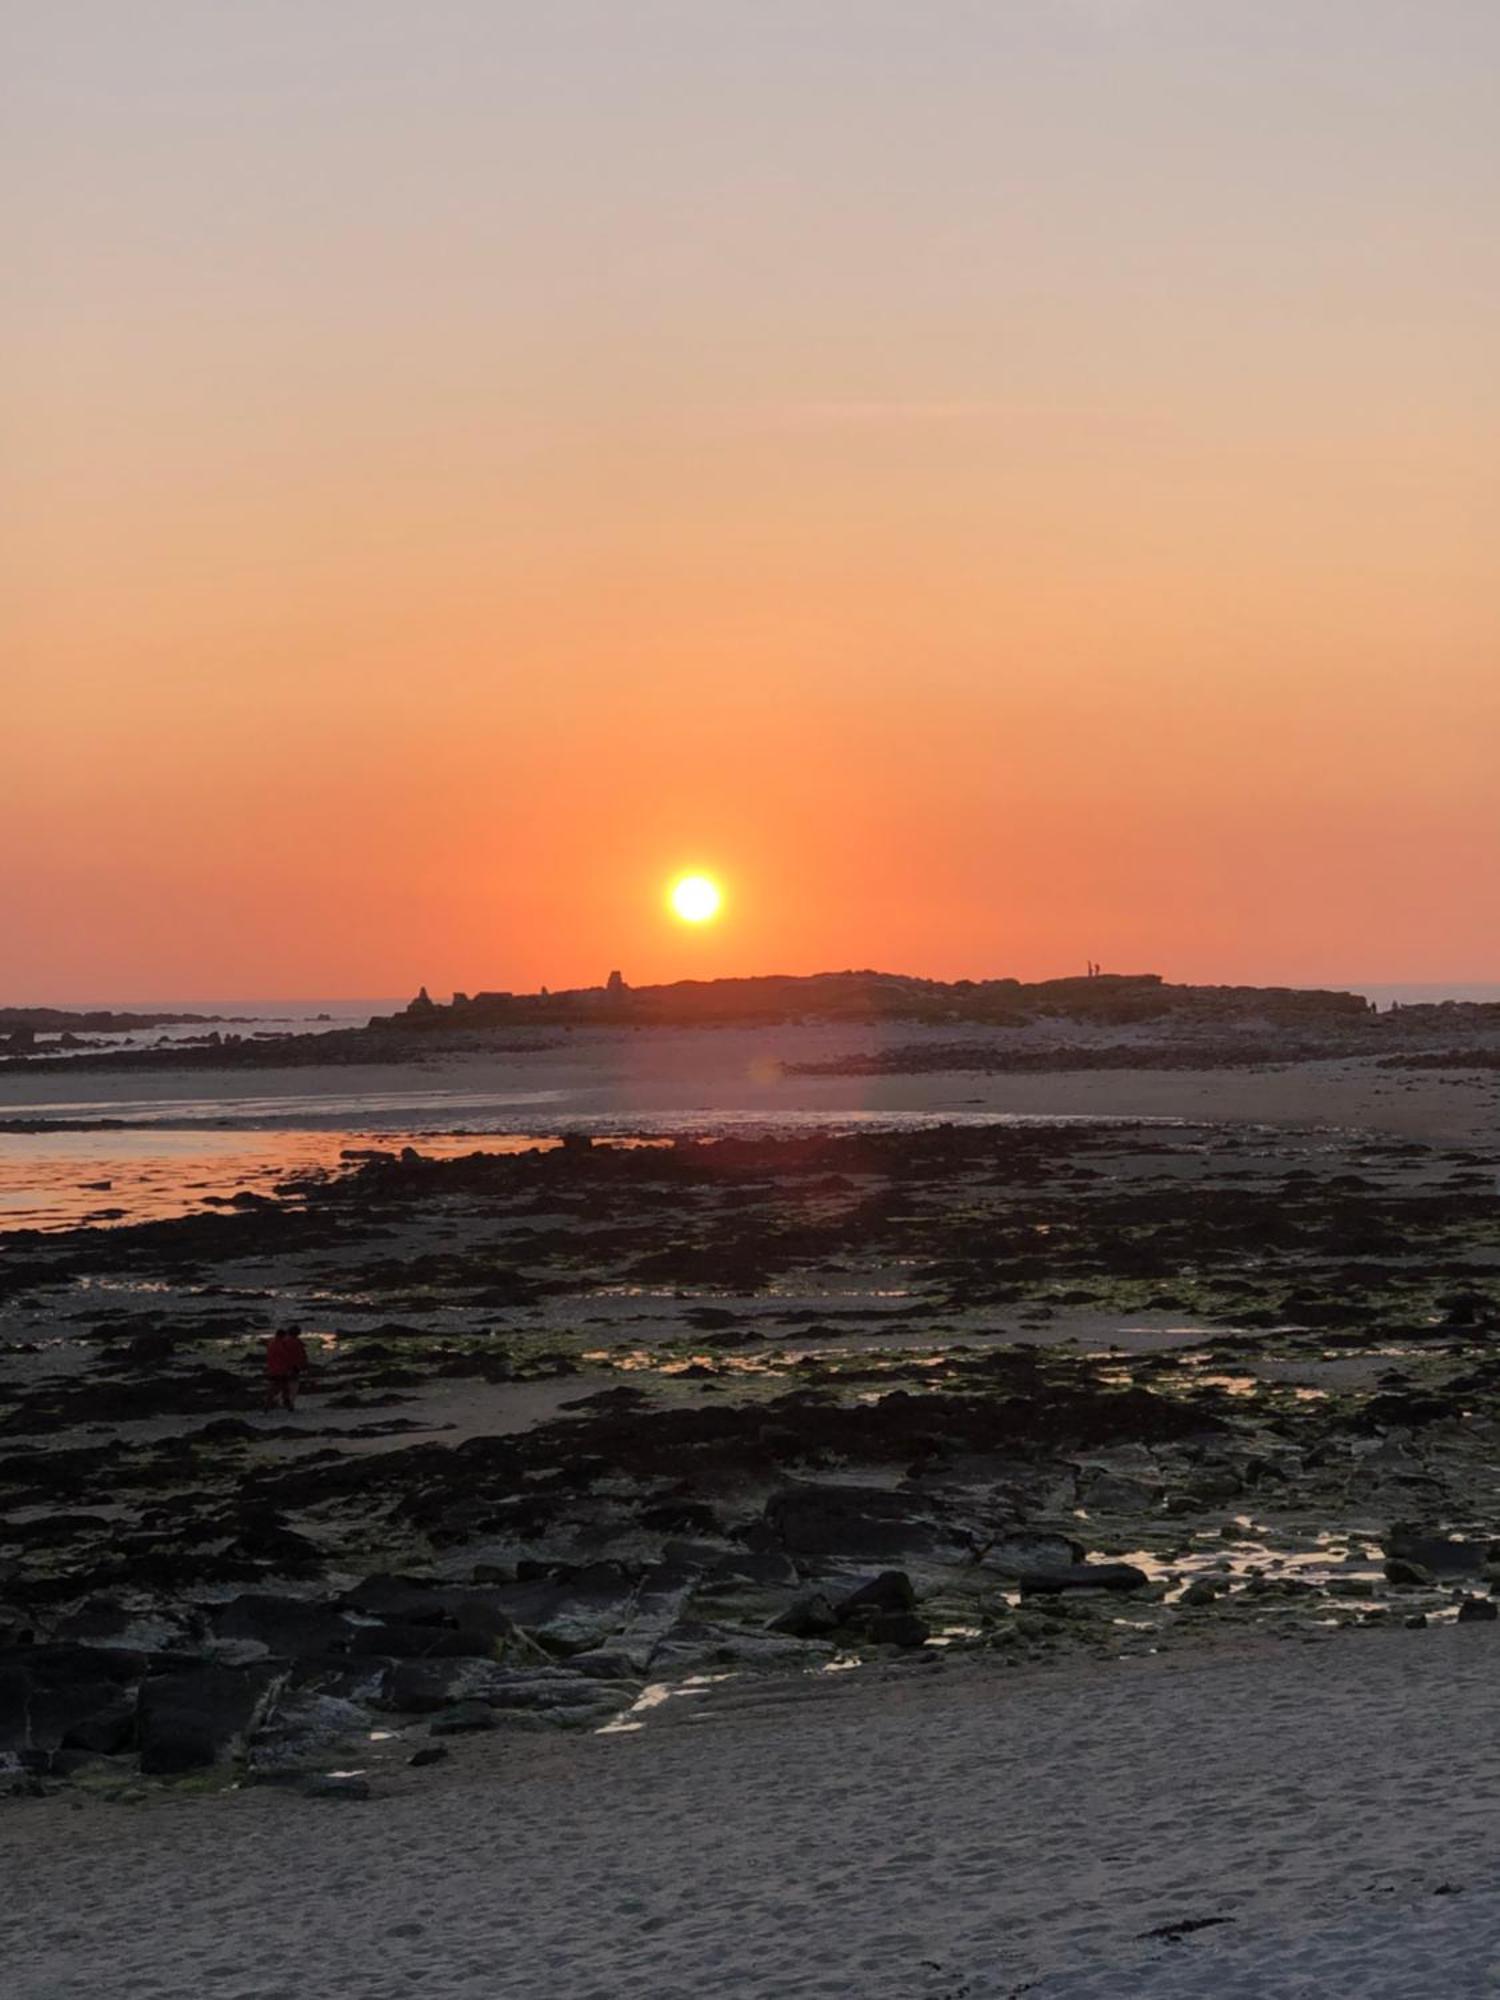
point(241, 1017)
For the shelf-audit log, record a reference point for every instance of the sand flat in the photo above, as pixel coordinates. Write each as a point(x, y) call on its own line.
point(931, 1832)
point(544, 1081)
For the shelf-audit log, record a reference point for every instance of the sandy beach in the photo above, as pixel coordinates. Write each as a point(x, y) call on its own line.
point(1323, 1810)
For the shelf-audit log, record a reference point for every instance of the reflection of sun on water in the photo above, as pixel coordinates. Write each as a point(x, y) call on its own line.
point(696, 899)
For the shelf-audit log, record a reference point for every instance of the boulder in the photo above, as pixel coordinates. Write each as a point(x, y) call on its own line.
point(1443, 1555)
point(890, 1591)
point(1083, 1576)
point(1203, 1590)
point(1019, 1553)
point(288, 1627)
point(1478, 1611)
point(301, 1724)
point(1406, 1575)
point(190, 1721)
point(64, 1694)
point(106, 1730)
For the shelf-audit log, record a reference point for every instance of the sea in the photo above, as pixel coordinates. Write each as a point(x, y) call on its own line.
point(174, 1153)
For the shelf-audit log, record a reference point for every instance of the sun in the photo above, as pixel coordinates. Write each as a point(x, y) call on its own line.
point(697, 899)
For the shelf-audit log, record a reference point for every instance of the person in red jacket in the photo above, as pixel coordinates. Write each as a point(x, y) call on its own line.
point(286, 1359)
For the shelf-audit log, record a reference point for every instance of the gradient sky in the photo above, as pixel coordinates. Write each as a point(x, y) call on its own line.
point(997, 481)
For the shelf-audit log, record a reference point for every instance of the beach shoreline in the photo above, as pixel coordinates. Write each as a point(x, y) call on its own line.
point(929, 1831)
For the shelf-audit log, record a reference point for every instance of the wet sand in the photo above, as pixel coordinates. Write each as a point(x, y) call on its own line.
point(732, 1074)
point(165, 1144)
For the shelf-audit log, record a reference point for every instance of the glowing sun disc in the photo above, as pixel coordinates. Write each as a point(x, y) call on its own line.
point(695, 898)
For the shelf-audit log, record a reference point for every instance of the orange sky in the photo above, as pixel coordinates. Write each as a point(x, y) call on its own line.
point(998, 486)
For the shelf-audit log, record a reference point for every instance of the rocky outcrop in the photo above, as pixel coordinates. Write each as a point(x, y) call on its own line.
point(195, 1718)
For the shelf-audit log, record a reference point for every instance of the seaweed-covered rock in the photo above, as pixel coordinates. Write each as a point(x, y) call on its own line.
point(860, 1523)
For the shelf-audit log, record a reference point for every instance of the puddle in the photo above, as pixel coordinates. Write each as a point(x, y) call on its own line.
point(655, 1695)
point(1331, 1559)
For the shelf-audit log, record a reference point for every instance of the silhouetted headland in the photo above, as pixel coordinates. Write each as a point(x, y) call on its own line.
point(1107, 1020)
point(1105, 998)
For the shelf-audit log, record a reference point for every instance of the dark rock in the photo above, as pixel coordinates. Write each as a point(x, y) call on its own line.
point(463, 1719)
point(189, 1721)
point(106, 1731)
point(890, 1591)
point(1406, 1575)
point(1021, 1553)
point(430, 1753)
point(1083, 1576)
point(602, 1663)
point(896, 1628)
point(811, 1617)
point(288, 1627)
point(766, 1566)
point(573, 1615)
point(63, 1763)
point(422, 1687)
point(52, 1695)
point(412, 1600)
point(269, 1545)
point(1406, 1409)
point(1478, 1611)
point(1105, 1491)
point(859, 1522)
point(391, 1641)
point(681, 1517)
point(1443, 1555)
point(226, 1430)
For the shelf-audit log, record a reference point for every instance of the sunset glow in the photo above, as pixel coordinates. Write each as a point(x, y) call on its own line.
point(696, 899)
point(1019, 479)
